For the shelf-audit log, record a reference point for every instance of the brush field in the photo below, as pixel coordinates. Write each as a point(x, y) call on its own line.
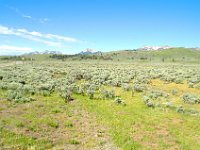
point(99, 105)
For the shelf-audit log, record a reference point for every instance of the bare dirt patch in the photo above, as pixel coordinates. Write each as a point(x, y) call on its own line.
point(67, 127)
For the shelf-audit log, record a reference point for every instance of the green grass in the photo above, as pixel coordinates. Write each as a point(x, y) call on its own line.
point(52, 123)
point(17, 141)
point(132, 126)
point(136, 126)
point(68, 124)
point(74, 142)
point(19, 124)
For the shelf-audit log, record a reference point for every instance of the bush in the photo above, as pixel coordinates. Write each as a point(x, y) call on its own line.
point(178, 81)
point(126, 87)
point(139, 87)
point(46, 87)
point(67, 95)
point(148, 102)
point(168, 104)
point(180, 109)
point(174, 92)
point(190, 85)
point(18, 97)
point(118, 100)
point(45, 93)
point(90, 93)
point(91, 90)
point(81, 90)
point(1, 77)
point(107, 93)
point(155, 94)
point(190, 99)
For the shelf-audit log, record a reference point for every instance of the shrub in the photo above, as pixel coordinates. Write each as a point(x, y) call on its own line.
point(74, 88)
point(190, 99)
point(168, 104)
point(66, 95)
point(1, 77)
point(154, 94)
point(126, 87)
point(90, 93)
point(139, 87)
point(3, 85)
point(46, 87)
point(14, 86)
point(146, 99)
point(45, 93)
point(107, 93)
point(178, 81)
point(18, 97)
point(148, 102)
point(190, 85)
point(174, 92)
point(118, 100)
point(180, 109)
point(28, 89)
point(91, 90)
point(81, 90)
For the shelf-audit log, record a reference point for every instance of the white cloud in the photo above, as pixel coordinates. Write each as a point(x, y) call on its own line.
point(13, 50)
point(19, 12)
point(43, 20)
point(48, 39)
point(58, 37)
point(26, 16)
point(5, 30)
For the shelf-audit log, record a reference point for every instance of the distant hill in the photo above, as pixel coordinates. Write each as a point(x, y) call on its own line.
point(168, 55)
point(155, 54)
point(139, 55)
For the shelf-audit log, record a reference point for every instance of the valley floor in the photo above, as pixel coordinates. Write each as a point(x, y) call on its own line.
point(95, 122)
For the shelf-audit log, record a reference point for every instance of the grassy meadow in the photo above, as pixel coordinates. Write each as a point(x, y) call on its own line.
point(109, 105)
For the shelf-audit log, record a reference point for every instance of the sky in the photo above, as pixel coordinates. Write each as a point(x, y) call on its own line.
point(71, 26)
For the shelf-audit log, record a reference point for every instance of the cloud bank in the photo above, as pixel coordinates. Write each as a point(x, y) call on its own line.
point(7, 50)
point(48, 39)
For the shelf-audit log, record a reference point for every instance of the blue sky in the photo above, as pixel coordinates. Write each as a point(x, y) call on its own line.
point(71, 26)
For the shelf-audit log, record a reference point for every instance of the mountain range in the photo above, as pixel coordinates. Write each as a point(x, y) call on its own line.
point(44, 52)
point(89, 51)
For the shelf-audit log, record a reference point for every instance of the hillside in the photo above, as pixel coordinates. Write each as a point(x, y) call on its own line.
point(168, 55)
point(186, 55)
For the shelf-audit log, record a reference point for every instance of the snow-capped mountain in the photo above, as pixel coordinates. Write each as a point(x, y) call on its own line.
point(44, 52)
point(149, 48)
point(89, 51)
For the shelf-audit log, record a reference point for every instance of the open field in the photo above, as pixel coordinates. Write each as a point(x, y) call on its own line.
point(99, 105)
point(99, 75)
